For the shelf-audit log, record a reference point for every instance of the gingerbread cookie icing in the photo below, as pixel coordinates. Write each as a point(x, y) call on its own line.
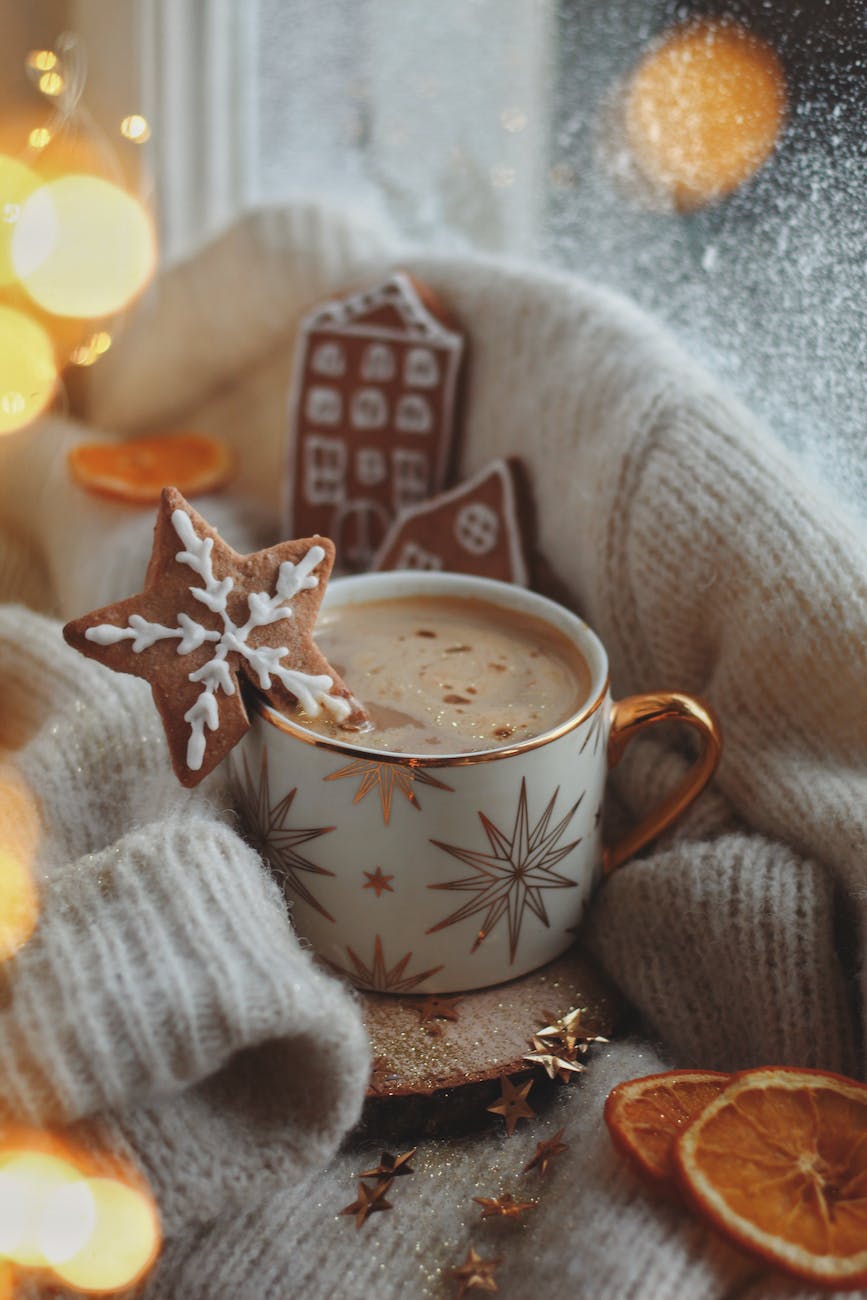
point(372, 413)
point(208, 615)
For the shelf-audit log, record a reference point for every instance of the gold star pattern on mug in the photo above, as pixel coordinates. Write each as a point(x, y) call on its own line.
point(265, 827)
point(512, 1104)
point(504, 1207)
point(377, 976)
point(208, 617)
point(513, 875)
point(594, 732)
point(378, 881)
point(368, 1200)
point(386, 778)
point(475, 1274)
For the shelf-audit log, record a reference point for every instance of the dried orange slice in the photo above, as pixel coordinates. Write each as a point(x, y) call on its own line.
point(137, 469)
point(644, 1116)
point(778, 1163)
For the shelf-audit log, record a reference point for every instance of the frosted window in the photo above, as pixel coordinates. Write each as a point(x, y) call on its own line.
point(487, 124)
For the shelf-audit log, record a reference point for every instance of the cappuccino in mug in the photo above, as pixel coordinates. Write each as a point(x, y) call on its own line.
point(450, 674)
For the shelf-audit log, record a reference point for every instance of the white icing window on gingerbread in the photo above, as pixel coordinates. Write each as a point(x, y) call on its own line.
point(324, 470)
point(329, 359)
point(414, 414)
point(369, 409)
point(324, 406)
point(421, 369)
point(410, 478)
point(378, 364)
point(477, 528)
point(413, 556)
point(370, 467)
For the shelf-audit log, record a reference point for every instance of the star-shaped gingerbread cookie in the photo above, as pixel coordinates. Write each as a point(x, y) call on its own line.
point(208, 615)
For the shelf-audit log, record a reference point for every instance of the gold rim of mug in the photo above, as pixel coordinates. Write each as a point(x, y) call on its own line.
point(279, 720)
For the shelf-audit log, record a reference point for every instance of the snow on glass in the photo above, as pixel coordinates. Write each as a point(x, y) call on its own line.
point(310, 690)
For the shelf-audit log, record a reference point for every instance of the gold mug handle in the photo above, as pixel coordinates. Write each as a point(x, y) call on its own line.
point(629, 716)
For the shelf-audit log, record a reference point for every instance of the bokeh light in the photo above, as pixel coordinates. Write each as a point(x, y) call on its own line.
point(28, 372)
point(83, 247)
point(704, 109)
point(136, 128)
point(17, 183)
point(19, 840)
point(42, 60)
point(123, 1243)
point(91, 350)
point(51, 83)
point(29, 1180)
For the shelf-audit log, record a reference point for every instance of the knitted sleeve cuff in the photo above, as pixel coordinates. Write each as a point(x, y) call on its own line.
point(154, 962)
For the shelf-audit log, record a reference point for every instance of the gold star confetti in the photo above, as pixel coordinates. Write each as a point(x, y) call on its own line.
point(504, 1206)
point(513, 1103)
point(475, 1274)
point(435, 1007)
point(368, 1201)
point(378, 881)
point(570, 1032)
point(391, 1166)
point(545, 1153)
point(556, 1067)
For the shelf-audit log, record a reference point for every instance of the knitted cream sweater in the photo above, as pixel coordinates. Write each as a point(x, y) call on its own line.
point(163, 1002)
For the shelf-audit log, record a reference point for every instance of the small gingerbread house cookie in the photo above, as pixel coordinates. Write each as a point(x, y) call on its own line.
point(372, 413)
point(476, 527)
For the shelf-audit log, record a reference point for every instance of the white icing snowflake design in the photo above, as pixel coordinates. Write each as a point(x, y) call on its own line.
point(310, 690)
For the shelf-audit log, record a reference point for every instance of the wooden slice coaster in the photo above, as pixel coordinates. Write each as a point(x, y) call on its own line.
point(438, 1060)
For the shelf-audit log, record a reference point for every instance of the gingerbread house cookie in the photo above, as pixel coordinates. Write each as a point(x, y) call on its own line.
point(477, 527)
point(372, 413)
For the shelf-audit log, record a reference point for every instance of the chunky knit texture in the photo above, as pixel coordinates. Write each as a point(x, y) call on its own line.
point(164, 1002)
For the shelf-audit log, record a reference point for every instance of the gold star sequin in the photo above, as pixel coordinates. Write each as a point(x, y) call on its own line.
point(504, 1206)
point(368, 1201)
point(556, 1067)
point(545, 1153)
point(475, 1274)
point(378, 881)
point(391, 1166)
point(569, 1033)
point(435, 1007)
point(512, 1104)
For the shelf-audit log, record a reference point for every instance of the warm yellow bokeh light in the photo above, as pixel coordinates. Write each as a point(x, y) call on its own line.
point(42, 60)
point(28, 1181)
point(28, 372)
point(91, 350)
point(124, 1242)
point(19, 841)
point(17, 183)
point(67, 1222)
point(136, 128)
point(51, 83)
point(83, 247)
point(39, 137)
point(704, 109)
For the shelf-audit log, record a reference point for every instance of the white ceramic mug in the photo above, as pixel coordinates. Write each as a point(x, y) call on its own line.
point(433, 874)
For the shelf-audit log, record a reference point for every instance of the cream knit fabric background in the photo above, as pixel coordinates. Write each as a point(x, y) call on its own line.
point(163, 1004)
